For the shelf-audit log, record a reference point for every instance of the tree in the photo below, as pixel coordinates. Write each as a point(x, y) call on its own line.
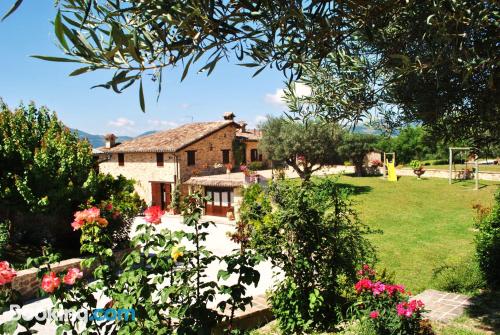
point(355, 146)
point(429, 61)
point(46, 174)
point(440, 60)
point(306, 146)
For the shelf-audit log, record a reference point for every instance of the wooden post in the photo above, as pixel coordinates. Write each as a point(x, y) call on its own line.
point(449, 161)
point(383, 168)
point(476, 175)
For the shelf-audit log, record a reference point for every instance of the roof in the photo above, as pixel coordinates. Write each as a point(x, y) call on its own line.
point(171, 140)
point(249, 134)
point(222, 180)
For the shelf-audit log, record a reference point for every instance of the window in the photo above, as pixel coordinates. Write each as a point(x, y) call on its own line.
point(191, 157)
point(121, 159)
point(254, 155)
point(225, 156)
point(159, 159)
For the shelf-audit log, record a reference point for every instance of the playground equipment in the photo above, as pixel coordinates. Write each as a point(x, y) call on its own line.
point(390, 166)
point(464, 173)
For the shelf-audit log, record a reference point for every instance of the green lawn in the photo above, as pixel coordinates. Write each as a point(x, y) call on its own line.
point(426, 223)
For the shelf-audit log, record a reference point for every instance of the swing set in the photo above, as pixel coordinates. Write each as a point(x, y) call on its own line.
point(465, 173)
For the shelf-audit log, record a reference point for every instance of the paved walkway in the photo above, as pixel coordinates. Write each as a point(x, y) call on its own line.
point(443, 306)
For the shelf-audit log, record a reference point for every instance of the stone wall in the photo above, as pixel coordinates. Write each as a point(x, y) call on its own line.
point(142, 168)
point(208, 152)
point(253, 145)
point(27, 283)
point(435, 173)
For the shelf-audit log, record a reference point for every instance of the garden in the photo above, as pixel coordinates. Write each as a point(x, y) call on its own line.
point(349, 251)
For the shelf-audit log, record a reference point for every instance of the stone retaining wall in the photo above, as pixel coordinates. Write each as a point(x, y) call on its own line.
point(435, 173)
point(27, 283)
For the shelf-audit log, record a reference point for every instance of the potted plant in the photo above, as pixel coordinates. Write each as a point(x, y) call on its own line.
point(230, 214)
point(176, 201)
point(229, 167)
point(418, 168)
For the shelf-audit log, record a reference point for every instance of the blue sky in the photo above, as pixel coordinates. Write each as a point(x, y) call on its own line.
point(230, 88)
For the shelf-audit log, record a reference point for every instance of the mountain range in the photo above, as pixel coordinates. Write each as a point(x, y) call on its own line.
point(98, 140)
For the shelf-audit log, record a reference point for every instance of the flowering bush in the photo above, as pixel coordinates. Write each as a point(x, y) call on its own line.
point(164, 278)
point(386, 306)
point(376, 163)
point(311, 233)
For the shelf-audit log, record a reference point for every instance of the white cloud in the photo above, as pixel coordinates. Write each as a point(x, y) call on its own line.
point(276, 98)
point(260, 119)
point(163, 123)
point(122, 122)
point(184, 106)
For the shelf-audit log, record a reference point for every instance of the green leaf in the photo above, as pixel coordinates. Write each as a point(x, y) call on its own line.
point(141, 98)
point(12, 9)
point(81, 71)
point(59, 29)
point(87, 11)
point(186, 69)
point(55, 59)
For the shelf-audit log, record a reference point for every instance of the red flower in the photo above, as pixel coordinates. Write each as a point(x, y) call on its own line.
point(374, 314)
point(72, 275)
point(154, 214)
point(7, 273)
point(391, 289)
point(363, 284)
point(50, 282)
point(109, 206)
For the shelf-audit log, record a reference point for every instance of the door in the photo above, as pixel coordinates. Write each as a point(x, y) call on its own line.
point(221, 201)
point(161, 194)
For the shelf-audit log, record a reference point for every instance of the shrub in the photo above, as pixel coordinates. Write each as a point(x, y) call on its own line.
point(313, 235)
point(488, 243)
point(4, 236)
point(416, 164)
point(387, 307)
point(163, 279)
point(255, 166)
point(461, 277)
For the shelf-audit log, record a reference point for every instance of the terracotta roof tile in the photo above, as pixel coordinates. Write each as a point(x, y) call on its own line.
point(170, 140)
point(250, 134)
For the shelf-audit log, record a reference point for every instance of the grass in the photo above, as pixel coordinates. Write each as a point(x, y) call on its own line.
point(426, 223)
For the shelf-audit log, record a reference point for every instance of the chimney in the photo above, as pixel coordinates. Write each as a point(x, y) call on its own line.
point(229, 116)
point(243, 126)
point(110, 140)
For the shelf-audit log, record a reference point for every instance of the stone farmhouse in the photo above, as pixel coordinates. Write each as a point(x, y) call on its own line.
point(161, 161)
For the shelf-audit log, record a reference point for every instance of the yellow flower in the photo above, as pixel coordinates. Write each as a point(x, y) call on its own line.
point(176, 253)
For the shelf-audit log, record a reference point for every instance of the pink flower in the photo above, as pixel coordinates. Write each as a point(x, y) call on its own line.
point(154, 214)
point(374, 314)
point(408, 308)
point(90, 215)
point(378, 288)
point(391, 289)
point(7, 273)
point(50, 282)
point(72, 275)
point(362, 285)
point(77, 224)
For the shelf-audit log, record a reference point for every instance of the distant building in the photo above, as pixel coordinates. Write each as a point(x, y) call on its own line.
point(160, 161)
